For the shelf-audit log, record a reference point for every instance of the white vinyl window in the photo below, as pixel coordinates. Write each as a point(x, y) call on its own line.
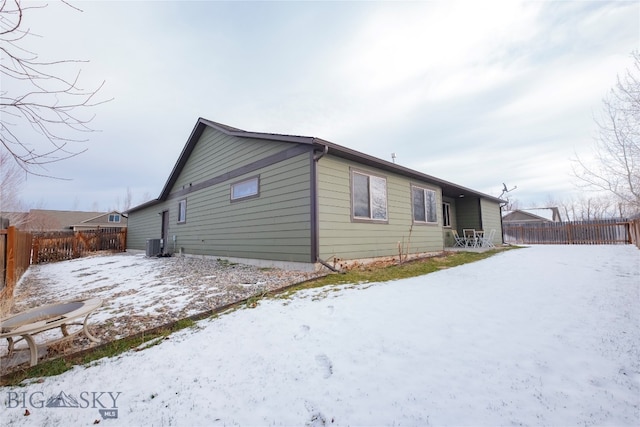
point(424, 205)
point(182, 211)
point(369, 196)
point(245, 189)
point(114, 218)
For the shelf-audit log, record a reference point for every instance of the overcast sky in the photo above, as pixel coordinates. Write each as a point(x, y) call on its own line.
point(474, 92)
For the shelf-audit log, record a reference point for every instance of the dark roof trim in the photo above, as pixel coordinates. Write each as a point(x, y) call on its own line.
point(144, 205)
point(259, 135)
point(448, 188)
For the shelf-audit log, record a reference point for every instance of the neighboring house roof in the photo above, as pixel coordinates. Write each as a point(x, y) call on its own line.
point(551, 214)
point(48, 220)
point(102, 220)
point(14, 218)
point(448, 188)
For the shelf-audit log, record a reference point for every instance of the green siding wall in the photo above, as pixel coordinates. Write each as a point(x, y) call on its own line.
point(274, 226)
point(342, 238)
point(143, 225)
point(491, 219)
point(468, 214)
point(217, 153)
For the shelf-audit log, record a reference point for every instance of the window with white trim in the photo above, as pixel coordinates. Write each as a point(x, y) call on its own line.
point(446, 214)
point(424, 205)
point(114, 218)
point(182, 211)
point(368, 196)
point(245, 189)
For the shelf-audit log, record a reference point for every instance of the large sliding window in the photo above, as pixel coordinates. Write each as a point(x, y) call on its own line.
point(368, 197)
point(424, 205)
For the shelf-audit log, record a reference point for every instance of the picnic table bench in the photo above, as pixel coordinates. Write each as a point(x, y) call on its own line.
point(47, 317)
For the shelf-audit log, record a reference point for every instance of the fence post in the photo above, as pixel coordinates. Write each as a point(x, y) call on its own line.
point(35, 259)
point(74, 245)
point(627, 232)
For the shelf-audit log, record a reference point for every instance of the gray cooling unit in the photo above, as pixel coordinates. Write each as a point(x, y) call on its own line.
point(154, 247)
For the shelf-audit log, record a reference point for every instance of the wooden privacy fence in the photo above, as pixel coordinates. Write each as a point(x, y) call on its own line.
point(64, 245)
point(614, 231)
point(15, 256)
point(634, 231)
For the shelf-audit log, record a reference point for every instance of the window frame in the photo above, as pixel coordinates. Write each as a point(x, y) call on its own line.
point(255, 178)
point(182, 211)
point(370, 218)
point(435, 205)
point(446, 219)
point(114, 218)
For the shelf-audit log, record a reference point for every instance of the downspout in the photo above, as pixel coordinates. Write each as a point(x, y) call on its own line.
point(335, 270)
point(501, 223)
point(315, 227)
point(317, 157)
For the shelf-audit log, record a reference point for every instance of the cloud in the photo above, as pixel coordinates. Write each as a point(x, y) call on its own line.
point(474, 92)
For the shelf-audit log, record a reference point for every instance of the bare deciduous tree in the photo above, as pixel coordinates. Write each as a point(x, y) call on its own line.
point(40, 96)
point(11, 179)
point(587, 208)
point(616, 165)
point(125, 205)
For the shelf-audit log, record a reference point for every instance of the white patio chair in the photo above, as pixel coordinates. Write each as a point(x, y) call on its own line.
point(470, 237)
point(460, 242)
point(486, 241)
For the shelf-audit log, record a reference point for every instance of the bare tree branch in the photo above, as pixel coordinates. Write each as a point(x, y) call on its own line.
point(42, 112)
point(616, 165)
point(11, 179)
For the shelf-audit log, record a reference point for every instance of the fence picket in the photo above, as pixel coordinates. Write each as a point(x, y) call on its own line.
point(16, 257)
point(65, 245)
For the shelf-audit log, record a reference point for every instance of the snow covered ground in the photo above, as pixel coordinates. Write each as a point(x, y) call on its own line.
point(547, 335)
point(139, 292)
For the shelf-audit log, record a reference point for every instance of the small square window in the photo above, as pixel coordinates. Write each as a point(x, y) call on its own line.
point(114, 218)
point(182, 211)
point(245, 189)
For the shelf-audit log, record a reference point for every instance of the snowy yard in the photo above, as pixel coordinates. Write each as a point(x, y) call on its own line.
point(140, 293)
point(547, 335)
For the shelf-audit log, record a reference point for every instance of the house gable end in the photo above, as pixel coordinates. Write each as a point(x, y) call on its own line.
point(223, 130)
point(217, 157)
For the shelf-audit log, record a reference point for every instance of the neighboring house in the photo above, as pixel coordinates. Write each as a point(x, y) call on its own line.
point(16, 219)
point(252, 196)
point(531, 216)
point(50, 220)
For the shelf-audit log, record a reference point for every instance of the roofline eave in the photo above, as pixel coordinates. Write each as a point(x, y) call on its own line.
point(452, 190)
